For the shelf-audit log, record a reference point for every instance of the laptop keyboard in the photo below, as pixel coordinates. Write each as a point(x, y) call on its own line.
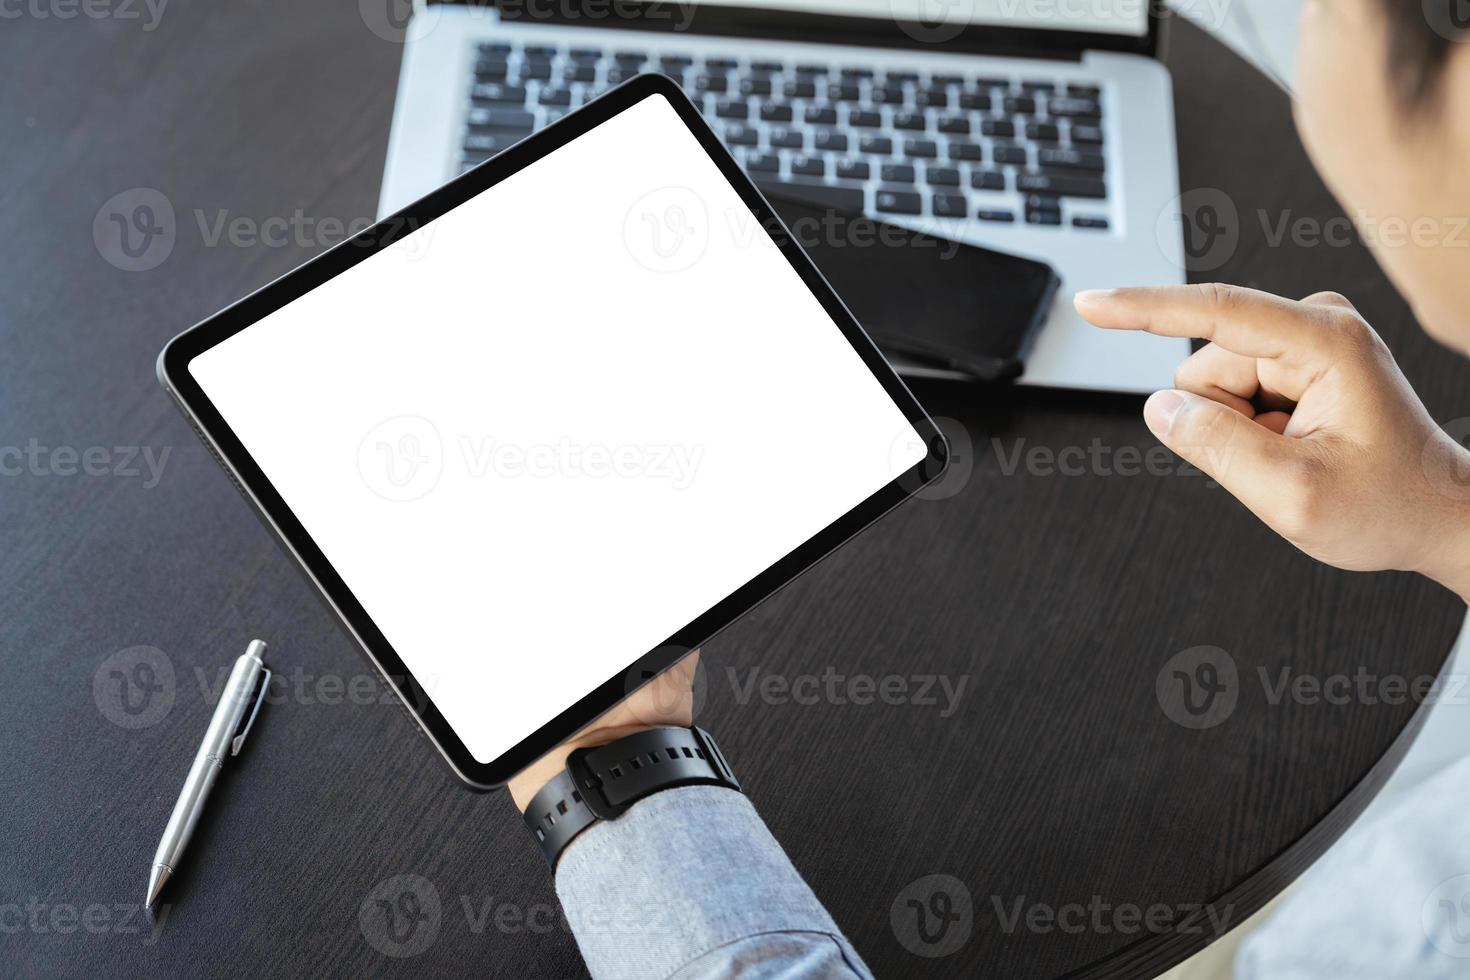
point(912, 144)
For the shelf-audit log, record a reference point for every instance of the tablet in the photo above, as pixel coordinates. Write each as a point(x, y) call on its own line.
point(542, 433)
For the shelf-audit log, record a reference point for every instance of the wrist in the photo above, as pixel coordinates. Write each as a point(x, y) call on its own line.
point(528, 782)
point(1445, 555)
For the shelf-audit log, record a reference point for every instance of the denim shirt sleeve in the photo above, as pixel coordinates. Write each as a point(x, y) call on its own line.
point(688, 884)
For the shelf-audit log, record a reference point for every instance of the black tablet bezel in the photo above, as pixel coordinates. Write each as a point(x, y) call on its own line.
point(174, 374)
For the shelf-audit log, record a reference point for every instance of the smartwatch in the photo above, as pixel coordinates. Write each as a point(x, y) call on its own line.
point(602, 783)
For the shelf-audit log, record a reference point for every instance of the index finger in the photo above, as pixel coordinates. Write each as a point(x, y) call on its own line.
point(1245, 321)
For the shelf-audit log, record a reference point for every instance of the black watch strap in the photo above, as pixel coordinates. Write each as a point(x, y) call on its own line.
point(602, 783)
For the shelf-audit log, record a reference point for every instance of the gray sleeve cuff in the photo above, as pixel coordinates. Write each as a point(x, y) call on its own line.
point(690, 882)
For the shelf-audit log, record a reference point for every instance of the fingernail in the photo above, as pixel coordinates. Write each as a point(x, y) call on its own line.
point(1089, 297)
point(1160, 411)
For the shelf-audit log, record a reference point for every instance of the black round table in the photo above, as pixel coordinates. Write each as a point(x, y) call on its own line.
point(983, 730)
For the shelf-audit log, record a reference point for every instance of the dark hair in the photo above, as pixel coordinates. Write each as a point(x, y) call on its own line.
point(1420, 38)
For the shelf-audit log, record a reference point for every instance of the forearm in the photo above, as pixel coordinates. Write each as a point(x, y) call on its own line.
point(690, 883)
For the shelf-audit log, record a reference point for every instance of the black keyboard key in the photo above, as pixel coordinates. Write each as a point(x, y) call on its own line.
point(899, 173)
point(1038, 87)
point(755, 86)
point(1043, 132)
point(976, 100)
point(580, 73)
point(865, 119)
point(716, 84)
point(739, 134)
point(619, 74)
point(495, 48)
point(857, 73)
point(558, 97)
point(1070, 160)
point(948, 205)
point(854, 170)
point(819, 195)
point(844, 93)
point(800, 90)
point(900, 76)
point(546, 51)
point(785, 138)
point(481, 117)
point(732, 109)
point(490, 143)
point(821, 115)
point(946, 79)
point(933, 98)
point(1087, 135)
point(1094, 224)
point(586, 54)
point(875, 145)
point(539, 71)
point(888, 95)
point(807, 166)
point(811, 69)
point(827, 141)
point(1060, 185)
point(1015, 155)
point(763, 163)
point(955, 126)
point(630, 57)
point(1065, 107)
point(491, 70)
point(892, 201)
point(988, 180)
point(675, 62)
point(498, 92)
point(1084, 91)
point(1020, 105)
point(992, 82)
point(991, 214)
point(776, 112)
point(767, 67)
point(941, 176)
point(960, 150)
point(1042, 217)
point(999, 128)
point(720, 64)
point(921, 149)
point(909, 121)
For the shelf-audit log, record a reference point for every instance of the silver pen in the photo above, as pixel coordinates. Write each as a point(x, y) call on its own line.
point(238, 705)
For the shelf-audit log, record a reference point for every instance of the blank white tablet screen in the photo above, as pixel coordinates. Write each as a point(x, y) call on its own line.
point(540, 435)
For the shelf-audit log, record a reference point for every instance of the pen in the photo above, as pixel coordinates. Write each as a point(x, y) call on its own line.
point(239, 704)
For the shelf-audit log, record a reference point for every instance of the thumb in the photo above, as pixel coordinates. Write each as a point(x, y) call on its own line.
point(1241, 455)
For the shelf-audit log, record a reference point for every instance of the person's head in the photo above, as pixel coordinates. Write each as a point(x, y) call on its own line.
point(1383, 105)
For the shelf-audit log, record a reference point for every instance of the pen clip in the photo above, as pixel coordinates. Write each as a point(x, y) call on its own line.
point(262, 686)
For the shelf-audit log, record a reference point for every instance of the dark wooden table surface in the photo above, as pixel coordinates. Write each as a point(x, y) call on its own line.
point(1057, 785)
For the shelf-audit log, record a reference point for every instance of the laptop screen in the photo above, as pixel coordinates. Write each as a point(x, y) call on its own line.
point(1122, 17)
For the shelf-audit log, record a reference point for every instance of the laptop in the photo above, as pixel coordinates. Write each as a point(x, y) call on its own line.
point(1028, 126)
